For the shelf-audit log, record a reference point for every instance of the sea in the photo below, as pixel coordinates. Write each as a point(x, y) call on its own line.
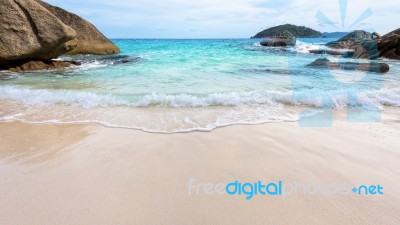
point(168, 86)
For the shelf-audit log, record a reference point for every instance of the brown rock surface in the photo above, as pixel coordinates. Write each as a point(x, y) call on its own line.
point(351, 40)
point(387, 46)
point(41, 65)
point(370, 67)
point(29, 31)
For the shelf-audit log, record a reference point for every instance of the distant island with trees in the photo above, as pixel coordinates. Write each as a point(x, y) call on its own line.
point(290, 30)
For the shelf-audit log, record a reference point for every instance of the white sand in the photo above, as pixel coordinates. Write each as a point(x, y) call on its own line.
point(86, 174)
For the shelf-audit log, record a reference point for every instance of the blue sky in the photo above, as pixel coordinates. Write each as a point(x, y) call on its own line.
point(225, 18)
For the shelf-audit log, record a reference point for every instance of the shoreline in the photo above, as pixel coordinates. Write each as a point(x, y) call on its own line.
point(89, 174)
point(388, 113)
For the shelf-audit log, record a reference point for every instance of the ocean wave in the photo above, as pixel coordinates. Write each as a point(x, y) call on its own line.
point(8, 75)
point(47, 97)
point(162, 113)
point(214, 99)
point(89, 62)
point(300, 47)
point(310, 97)
point(303, 47)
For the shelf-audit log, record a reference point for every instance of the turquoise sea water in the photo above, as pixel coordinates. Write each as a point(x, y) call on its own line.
point(184, 85)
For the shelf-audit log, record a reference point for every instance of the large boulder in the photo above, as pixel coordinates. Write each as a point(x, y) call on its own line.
point(389, 45)
point(28, 31)
point(369, 67)
point(89, 40)
point(278, 42)
point(283, 40)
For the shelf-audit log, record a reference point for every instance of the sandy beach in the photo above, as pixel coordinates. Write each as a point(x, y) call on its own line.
point(249, 112)
point(89, 174)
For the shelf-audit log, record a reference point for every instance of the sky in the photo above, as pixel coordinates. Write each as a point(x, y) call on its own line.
point(230, 18)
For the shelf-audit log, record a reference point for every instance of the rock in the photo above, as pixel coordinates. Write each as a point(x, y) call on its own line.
point(376, 36)
point(351, 40)
point(29, 31)
point(285, 39)
point(89, 40)
point(278, 42)
point(369, 67)
point(33, 32)
point(388, 46)
point(374, 47)
point(366, 50)
point(357, 35)
point(118, 59)
point(331, 52)
point(41, 65)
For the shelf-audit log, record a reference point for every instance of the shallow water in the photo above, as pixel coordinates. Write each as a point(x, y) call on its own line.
point(184, 85)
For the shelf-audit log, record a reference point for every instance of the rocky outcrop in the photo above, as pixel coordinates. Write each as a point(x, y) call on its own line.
point(370, 46)
point(351, 40)
point(366, 50)
point(369, 67)
point(32, 30)
point(387, 46)
point(28, 31)
point(89, 40)
point(41, 65)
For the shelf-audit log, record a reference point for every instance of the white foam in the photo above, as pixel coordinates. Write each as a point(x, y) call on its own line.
point(45, 97)
point(214, 99)
point(206, 127)
point(174, 113)
point(275, 99)
point(304, 47)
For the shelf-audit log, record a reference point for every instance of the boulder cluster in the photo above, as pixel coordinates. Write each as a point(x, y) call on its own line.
point(33, 33)
point(362, 45)
point(371, 46)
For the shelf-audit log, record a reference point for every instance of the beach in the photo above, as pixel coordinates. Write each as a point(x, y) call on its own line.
point(90, 174)
point(242, 112)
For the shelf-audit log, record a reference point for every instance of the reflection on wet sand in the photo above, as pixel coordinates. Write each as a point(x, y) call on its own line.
point(27, 144)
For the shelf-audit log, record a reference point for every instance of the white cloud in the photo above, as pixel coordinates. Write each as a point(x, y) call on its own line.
point(222, 18)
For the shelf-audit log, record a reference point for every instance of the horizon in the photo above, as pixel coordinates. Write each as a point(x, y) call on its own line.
point(234, 19)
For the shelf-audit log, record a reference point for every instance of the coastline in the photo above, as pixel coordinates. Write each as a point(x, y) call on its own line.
point(206, 131)
point(89, 174)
